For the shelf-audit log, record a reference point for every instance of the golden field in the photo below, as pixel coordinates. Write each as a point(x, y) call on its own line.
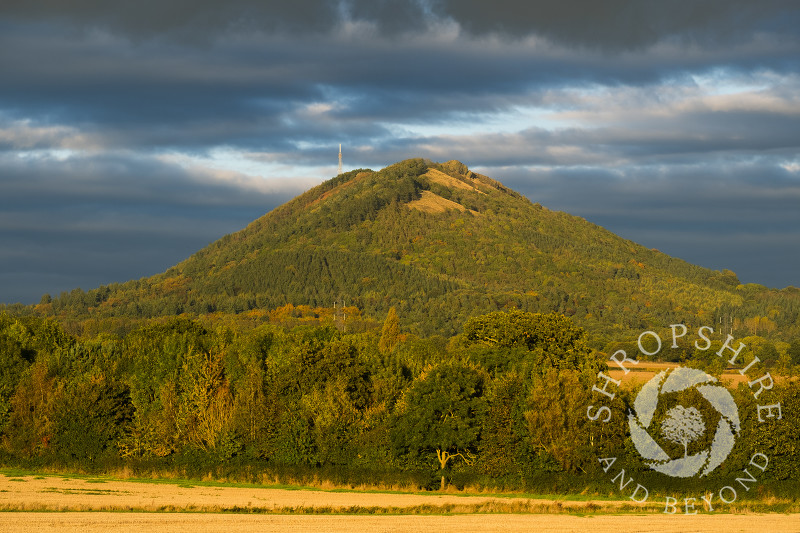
point(56, 503)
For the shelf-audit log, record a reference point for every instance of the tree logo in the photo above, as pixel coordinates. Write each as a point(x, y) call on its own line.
point(683, 425)
point(683, 422)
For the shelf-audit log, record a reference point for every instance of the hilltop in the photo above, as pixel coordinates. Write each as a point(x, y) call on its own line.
point(440, 243)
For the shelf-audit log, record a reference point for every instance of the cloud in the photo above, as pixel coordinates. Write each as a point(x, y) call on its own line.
point(622, 25)
point(734, 215)
point(123, 80)
point(611, 25)
point(657, 124)
point(87, 221)
point(253, 78)
point(193, 20)
point(24, 135)
point(175, 122)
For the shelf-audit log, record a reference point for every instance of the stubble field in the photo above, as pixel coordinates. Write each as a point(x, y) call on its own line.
point(58, 503)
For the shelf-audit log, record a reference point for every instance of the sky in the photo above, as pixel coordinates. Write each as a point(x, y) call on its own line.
point(133, 134)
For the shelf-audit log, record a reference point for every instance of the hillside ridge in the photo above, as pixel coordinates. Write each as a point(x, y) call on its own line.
point(440, 243)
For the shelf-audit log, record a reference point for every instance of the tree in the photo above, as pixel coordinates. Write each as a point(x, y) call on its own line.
point(390, 334)
point(30, 426)
point(12, 365)
point(557, 425)
point(162, 360)
point(89, 418)
point(794, 351)
point(440, 412)
point(205, 405)
point(551, 340)
point(504, 448)
point(683, 425)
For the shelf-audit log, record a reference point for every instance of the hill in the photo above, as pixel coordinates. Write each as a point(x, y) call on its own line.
point(440, 243)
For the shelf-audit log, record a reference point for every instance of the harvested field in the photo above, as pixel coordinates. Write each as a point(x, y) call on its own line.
point(57, 503)
point(56, 493)
point(193, 523)
point(645, 371)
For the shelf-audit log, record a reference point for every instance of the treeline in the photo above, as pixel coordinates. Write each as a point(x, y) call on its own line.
point(502, 404)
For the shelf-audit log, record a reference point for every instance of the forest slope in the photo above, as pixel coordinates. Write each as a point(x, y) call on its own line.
point(441, 244)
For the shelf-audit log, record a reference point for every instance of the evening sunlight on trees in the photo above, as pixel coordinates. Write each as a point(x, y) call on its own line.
point(292, 396)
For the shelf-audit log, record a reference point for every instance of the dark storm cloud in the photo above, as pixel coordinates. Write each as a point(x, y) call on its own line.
point(183, 19)
point(244, 86)
point(95, 220)
point(724, 215)
point(625, 24)
point(114, 179)
point(612, 24)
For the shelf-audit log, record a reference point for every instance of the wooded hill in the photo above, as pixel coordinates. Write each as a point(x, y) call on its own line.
point(424, 378)
point(441, 244)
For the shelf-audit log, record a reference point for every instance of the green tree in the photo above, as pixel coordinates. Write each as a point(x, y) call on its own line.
point(504, 448)
point(390, 334)
point(13, 362)
point(30, 426)
point(771, 432)
point(248, 371)
point(89, 419)
point(768, 353)
point(335, 420)
point(794, 352)
point(557, 423)
point(551, 340)
point(441, 413)
point(160, 354)
point(205, 403)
